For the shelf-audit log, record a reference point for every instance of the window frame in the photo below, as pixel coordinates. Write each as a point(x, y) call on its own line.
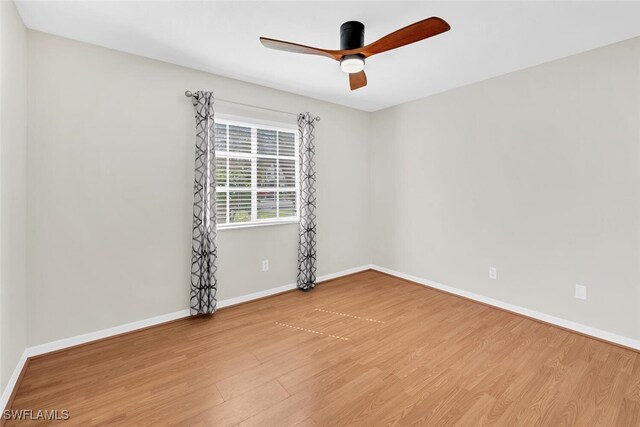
point(254, 124)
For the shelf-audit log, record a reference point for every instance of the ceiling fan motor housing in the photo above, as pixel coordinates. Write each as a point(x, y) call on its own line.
point(351, 35)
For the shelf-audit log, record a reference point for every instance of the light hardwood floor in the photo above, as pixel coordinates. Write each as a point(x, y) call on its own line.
point(367, 349)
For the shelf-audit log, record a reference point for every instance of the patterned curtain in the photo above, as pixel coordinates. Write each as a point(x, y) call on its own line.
point(307, 243)
point(203, 243)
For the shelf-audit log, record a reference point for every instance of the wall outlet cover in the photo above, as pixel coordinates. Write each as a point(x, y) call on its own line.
point(493, 273)
point(581, 292)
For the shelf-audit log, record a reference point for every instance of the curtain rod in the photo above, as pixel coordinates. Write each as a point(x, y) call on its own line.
point(189, 94)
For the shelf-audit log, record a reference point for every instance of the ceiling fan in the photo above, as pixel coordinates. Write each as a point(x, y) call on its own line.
point(353, 52)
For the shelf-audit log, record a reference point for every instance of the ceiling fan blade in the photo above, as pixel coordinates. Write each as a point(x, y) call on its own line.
point(357, 80)
point(299, 48)
point(410, 34)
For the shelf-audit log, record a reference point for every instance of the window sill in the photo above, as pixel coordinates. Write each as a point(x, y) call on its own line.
point(257, 224)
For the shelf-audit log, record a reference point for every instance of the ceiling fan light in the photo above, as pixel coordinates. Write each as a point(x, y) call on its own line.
point(352, 64)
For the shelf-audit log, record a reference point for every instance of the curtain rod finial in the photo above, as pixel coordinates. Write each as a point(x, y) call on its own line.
point(188, 93)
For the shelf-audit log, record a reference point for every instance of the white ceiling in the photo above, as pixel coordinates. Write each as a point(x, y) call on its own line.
point(487, 39)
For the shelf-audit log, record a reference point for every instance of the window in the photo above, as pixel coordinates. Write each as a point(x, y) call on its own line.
point(256, 173)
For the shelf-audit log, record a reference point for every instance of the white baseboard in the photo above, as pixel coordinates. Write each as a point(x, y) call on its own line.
point(273, 291)
point(128, 327)
point(344, 272)
point(6, 394)
point(568, 324)
point(104, 333)
point(256, 295)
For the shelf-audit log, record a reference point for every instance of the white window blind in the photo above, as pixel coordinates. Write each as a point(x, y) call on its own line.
point(256, 173)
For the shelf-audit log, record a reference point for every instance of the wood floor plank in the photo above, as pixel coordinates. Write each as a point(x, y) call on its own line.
point(367, 349)
point(234, 411)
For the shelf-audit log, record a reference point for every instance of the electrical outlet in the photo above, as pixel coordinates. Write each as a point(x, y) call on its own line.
point(581, 292)
point(493, 273)
point(265, 265)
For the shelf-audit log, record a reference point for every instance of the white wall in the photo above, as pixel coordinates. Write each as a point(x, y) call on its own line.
point(13, 201)
point(536, 173)
point(110, 178)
